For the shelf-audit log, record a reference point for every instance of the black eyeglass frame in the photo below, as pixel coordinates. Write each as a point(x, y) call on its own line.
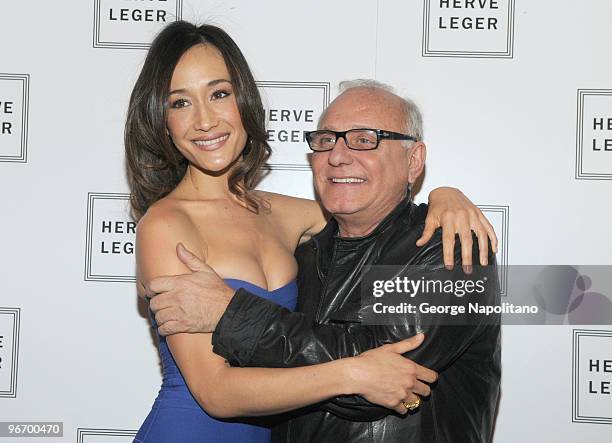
point(381, 134)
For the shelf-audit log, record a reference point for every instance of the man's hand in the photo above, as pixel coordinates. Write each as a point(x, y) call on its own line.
point(190, 302)
point(456, 214)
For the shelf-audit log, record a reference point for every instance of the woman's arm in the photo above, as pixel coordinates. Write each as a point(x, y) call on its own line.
point(382, 376)
point(225, 391)
point(449, 209)
point(300, 217)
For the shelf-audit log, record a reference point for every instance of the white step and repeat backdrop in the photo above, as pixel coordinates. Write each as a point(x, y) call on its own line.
point(517, 98)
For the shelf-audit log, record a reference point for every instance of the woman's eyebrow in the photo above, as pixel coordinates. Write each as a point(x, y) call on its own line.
point(210, 83)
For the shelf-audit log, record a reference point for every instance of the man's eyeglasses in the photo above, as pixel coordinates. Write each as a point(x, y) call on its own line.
point(362, 139)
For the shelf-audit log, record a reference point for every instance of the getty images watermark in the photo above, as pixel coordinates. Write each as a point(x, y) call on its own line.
point(535, 295)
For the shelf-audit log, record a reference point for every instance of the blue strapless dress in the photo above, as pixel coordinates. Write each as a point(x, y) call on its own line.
point(177, 418)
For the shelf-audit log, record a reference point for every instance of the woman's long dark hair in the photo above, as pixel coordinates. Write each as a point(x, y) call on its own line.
point(154, 165)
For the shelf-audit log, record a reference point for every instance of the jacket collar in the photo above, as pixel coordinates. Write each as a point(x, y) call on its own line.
point(324, 240)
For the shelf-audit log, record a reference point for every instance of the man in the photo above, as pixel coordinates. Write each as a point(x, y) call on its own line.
point(363, 179)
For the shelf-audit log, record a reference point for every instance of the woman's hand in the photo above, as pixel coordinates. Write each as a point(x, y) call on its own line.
point(456, 214)
point(384, 377)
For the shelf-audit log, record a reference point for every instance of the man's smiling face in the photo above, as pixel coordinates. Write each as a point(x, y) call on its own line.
point(364, 185)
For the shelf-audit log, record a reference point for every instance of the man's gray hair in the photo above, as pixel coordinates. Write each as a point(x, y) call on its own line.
point(414, 118)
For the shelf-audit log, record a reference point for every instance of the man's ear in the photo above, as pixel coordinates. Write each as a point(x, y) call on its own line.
point(416, 161)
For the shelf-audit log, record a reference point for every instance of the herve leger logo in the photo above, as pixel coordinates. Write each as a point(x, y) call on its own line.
point(14, 99)
point(594, 135)
point(499, 217)
point(93, 435)
point(132, 23)
point(592, 376)
point(292, 108)
point(9, 351)
point(468, 28)
point(111, 235)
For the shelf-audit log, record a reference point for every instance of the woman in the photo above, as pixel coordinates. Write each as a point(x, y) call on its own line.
point(195, 143)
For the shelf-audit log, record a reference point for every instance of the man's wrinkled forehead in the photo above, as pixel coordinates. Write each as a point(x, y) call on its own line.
point(362, 107)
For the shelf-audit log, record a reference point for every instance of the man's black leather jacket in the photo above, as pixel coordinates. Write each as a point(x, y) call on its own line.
point(327, 325)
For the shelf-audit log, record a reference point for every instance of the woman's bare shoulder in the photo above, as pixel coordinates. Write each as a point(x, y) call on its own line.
point(282, 202)
point(301, 216)
point(169, 221)
point(158, 233)
point(166, 214)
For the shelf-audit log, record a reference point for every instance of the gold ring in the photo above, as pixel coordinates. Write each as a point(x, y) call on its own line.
point(412, 406)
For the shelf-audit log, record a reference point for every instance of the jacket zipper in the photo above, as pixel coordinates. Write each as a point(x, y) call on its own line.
point(329, 272)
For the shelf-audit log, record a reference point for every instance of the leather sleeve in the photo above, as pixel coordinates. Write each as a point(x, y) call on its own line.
point(257, 332)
